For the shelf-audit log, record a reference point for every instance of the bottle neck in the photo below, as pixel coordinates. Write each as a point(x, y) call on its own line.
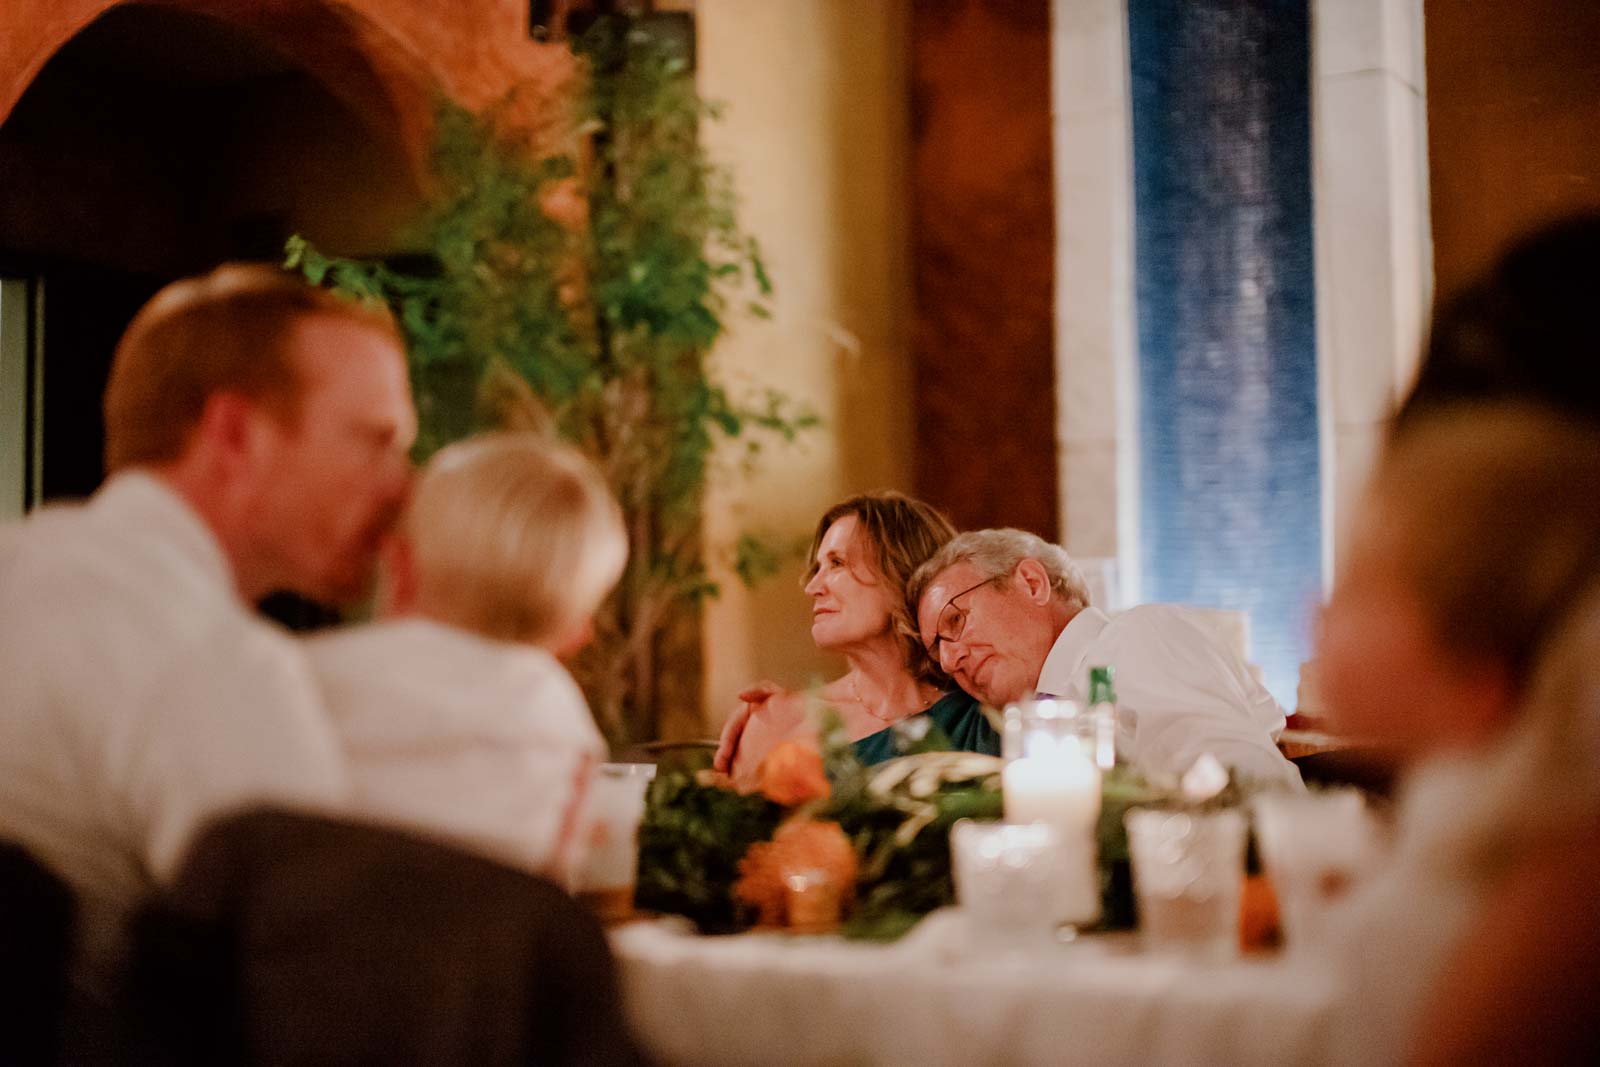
point(1100, 687)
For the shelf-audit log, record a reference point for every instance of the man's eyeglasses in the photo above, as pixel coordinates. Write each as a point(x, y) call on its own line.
point(952, 622)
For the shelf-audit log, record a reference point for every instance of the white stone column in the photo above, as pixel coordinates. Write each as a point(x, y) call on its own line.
point(1096, 345)
point(1374, 245)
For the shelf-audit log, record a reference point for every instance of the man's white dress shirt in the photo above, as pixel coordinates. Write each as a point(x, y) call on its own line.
point(139, 695)
point(484, 742)
point(1183, 691)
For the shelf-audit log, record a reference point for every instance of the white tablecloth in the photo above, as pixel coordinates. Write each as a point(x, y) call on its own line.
point(934, 999)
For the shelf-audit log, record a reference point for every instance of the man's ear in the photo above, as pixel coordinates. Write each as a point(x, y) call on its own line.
point(397, 584)
point(231, 430)
point(1031, 577)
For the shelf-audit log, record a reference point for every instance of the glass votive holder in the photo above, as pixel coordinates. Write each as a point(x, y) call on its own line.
point(813, 901)
point(1062, 791)
point(1043, 728)
point(1006, 877)
point(1188, 872)
point(1315, 847)
point(607, 863)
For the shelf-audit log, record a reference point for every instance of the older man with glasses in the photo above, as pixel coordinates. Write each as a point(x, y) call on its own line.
point(1007, 615)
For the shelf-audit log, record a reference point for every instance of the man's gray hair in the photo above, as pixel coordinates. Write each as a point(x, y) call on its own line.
point(994, 553)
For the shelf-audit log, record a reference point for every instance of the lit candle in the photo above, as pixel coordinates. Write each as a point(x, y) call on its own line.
point(1061, 787)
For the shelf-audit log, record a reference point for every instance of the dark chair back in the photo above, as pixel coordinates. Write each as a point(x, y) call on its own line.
point(36, 922)
point(295, 939)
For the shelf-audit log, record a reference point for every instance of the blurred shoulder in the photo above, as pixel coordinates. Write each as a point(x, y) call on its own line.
point(391, 678)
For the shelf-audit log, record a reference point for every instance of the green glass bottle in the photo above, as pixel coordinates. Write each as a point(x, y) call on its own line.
point(1103, 717)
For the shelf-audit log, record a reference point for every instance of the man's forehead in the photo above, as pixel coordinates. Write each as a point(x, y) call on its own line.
point(945, 584)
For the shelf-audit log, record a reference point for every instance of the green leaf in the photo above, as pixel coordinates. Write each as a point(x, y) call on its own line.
point(690, 842)
point(882, 924)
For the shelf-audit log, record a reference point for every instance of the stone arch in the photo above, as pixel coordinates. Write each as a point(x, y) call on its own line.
point(346, 46)
point(140, 141)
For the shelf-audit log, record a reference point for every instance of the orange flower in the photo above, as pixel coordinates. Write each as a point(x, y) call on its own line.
point(792, 774)
point(815, 856)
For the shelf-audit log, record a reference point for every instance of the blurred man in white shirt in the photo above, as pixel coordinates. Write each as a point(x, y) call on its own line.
point(256, 439)
point(1007, 615)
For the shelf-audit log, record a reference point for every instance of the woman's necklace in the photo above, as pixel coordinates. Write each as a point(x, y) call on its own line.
point(855, 691)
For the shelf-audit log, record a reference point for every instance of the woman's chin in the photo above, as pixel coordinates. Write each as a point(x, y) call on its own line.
point(826, 635)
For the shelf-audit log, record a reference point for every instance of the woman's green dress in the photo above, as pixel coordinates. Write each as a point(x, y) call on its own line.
point(955, 713)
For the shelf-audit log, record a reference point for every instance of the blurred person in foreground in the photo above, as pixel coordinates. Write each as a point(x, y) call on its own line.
point(1007, 614)
point(456, 715)
point(1464, 630)
point(256, 439)
point(862, 554)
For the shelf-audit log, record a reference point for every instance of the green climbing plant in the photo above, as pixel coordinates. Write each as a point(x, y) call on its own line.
point(583, 289)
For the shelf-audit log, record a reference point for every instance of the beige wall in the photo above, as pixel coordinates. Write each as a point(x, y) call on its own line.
point(816, 131)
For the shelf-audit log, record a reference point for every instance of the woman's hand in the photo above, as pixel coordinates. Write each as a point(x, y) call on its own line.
point(770, 716)
point(750, 699)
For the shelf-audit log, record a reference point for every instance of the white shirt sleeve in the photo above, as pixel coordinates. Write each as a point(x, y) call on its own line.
point(244, 728)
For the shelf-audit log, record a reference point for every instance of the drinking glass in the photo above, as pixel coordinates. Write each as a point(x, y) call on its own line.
point(1046, 727)
point(1188, 872)
point(1007, 881)
point(1315, 847)
point(609, 839)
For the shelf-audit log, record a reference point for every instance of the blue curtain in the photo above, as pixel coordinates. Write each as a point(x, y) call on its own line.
point(1230, 498)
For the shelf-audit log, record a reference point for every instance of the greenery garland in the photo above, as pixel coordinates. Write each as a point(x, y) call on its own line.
point(896, 815)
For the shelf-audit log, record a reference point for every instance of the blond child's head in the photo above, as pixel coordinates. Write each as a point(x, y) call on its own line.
point(514, 536)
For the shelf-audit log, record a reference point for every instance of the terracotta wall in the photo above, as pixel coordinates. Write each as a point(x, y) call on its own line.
point(983, 254)
point(384, 58)
point(1513, 123)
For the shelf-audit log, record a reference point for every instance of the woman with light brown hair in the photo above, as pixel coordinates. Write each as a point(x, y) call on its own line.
point(862, 554)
